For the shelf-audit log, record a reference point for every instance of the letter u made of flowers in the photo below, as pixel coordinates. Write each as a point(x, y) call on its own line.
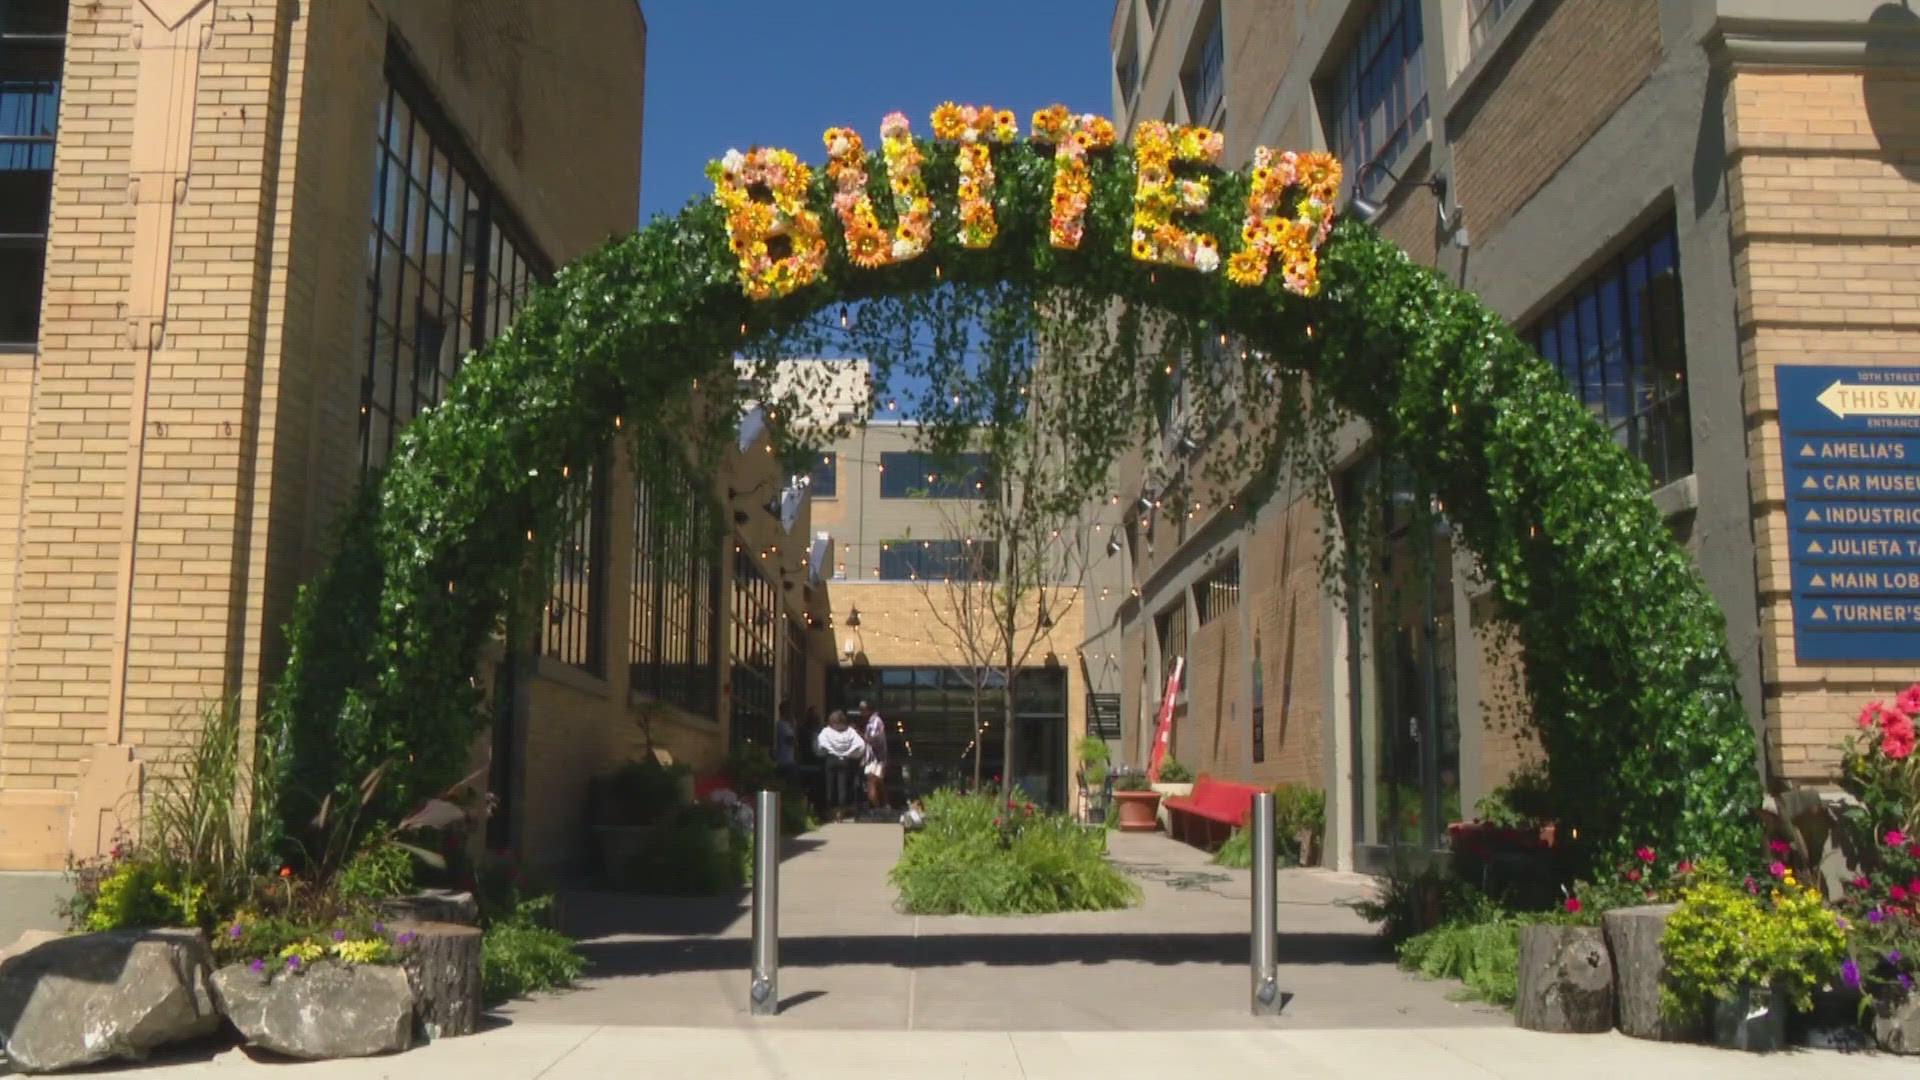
point(764, 193)
point(1158, 195)
point(868, 244)
point(976, 129)
point(1073, 138)
point(1268, 233)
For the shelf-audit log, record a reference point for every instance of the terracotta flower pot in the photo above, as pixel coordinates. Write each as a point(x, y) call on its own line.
point(1137, 809)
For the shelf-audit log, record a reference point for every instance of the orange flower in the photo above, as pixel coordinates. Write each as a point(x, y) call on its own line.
point(286, 871)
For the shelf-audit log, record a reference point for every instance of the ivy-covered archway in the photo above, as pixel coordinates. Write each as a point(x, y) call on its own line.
point(1631, 686)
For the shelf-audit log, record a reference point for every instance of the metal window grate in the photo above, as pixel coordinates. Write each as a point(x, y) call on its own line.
point(573, 633)
point(1103, 716)
point(673, 650)
point(1219, 592)
point(755, 639)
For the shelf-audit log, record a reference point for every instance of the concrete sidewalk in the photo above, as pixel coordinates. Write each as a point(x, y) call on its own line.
point(1176, 962)
point(563, 1052)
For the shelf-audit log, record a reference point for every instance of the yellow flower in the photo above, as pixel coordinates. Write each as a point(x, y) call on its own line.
point(1142, 250)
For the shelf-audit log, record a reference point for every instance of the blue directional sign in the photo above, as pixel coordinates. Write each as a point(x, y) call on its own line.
point(1850, 438)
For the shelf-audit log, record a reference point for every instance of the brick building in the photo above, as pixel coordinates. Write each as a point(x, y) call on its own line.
point(224, 286)
point(910, 584)
point(1679, 202)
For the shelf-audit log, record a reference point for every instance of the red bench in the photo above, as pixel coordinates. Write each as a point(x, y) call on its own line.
point(1212, 812)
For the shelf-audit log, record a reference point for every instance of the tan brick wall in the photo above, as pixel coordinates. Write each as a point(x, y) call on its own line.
point(1825, 194)
point(193, 411)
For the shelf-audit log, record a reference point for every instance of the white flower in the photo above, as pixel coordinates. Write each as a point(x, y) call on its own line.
point(1206, 260)
point(969, 136)
point(839, 146)
point(903, 249)
point(1139, 235)
point(734, 162)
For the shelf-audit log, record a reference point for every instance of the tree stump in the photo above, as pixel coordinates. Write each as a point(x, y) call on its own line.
point(1639, 967)
point(443, 966)
point(1566, 980)
point(433, 905)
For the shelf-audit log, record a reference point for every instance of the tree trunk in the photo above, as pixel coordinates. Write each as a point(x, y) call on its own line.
point(443, 965)
point(1012, 627)
point(979, 751)
point(1633, 936)
point(1566, 980)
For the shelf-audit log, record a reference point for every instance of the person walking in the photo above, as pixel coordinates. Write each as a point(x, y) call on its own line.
point(875, 734)
point(842, 749)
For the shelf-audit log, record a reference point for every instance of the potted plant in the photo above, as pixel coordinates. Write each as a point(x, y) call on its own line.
point(1094, 763)
point(1136, 802)
point(1514, 817)
point(1744, 955)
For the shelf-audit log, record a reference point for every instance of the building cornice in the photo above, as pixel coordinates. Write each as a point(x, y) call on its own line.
point(1805, 44)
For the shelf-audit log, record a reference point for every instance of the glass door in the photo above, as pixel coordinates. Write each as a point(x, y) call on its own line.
point(1406, 725)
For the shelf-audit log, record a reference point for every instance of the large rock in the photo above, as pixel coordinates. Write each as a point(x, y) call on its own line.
point(1566, 980)
point(433, 905)
point(324, 1010)
point(1633, 937)
point(84, 999)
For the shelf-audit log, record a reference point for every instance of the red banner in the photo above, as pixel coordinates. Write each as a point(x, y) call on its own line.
point(1163, 734)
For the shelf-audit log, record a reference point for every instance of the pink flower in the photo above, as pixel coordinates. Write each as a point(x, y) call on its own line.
point(1752, 888)
point(1778, 869)
point(1896, 838)
point(1909, 700)
point(1897, 893)
point(1645, 855)
point(1896, 735)
point(996, 823)
point(1573, 904)
point(1779, 847)
point(1870, 713)
point(1633, 875)
point(1685, 867)
point(1861, 883)
point(1913, 887)
point(1913, 849)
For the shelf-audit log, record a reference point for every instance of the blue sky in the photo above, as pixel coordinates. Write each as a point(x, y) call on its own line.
point(736, 73)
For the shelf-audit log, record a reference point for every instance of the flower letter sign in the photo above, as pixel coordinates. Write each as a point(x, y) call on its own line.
point(774, 228)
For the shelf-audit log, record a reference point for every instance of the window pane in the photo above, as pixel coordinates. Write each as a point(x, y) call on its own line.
point(21, 264)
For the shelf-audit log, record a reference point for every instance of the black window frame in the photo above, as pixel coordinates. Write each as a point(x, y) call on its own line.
point(574, 631)
point(1618, 337)
point(756, 640)
point(1383, 67)
point(33, 44)
point(469, 276)
point(939, 560)
point(1217, 594)
point(824, 480)
point(915, 474)
point(673, 644)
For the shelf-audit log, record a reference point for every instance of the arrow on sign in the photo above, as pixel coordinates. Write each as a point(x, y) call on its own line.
point(1818, 582)
point(1813, 547)
point(1842, 399)
point(1820, 613)
point(1813, 515)
point(1807, 451)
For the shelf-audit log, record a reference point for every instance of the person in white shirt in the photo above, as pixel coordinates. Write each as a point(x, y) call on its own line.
point(842, 749)
point(875, 733)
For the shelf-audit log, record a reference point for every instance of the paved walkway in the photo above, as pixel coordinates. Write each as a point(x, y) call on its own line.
point(1160, 989)
point(850, 961)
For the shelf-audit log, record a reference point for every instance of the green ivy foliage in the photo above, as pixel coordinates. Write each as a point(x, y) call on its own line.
point(1631, 685)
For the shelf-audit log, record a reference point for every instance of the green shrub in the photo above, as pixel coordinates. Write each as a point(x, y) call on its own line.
point(682, 858)
point(1723, 938)
point(1132, 782)
point(1296, 809)
point(1173, 772)
point(380, 870)
point(978, 856)
point(138, 892)
point(1412, 902)
point(751, 769)
point(642, 792)
point(1095, 761)
point(1483, 955)
point(517, 959)
point(1525, 799)
point(796, 814)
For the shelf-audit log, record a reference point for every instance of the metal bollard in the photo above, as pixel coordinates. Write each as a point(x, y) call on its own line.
point(1266, 939)
point(764, 994)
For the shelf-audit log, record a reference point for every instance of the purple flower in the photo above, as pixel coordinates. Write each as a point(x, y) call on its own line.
point(379, 928)
point(258, 965)
point(294, 962)
point(1875, 916)
point(1841, 920)
point(339, 935)
point(233, 932)
point(406, 937)
point(1850, 974)
point(1906, 981)
point(1894, 957)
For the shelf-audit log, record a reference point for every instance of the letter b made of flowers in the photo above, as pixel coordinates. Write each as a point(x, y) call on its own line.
point(764, 193)
point(1159, 195)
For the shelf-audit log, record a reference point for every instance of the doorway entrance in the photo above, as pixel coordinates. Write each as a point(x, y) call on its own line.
point(1405, 717)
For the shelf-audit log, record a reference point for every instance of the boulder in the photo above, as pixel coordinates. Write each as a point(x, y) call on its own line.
point(1633, 937)
point(1565, 980)
point(84, 999)
point(323, 1010)
point(433, 905)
